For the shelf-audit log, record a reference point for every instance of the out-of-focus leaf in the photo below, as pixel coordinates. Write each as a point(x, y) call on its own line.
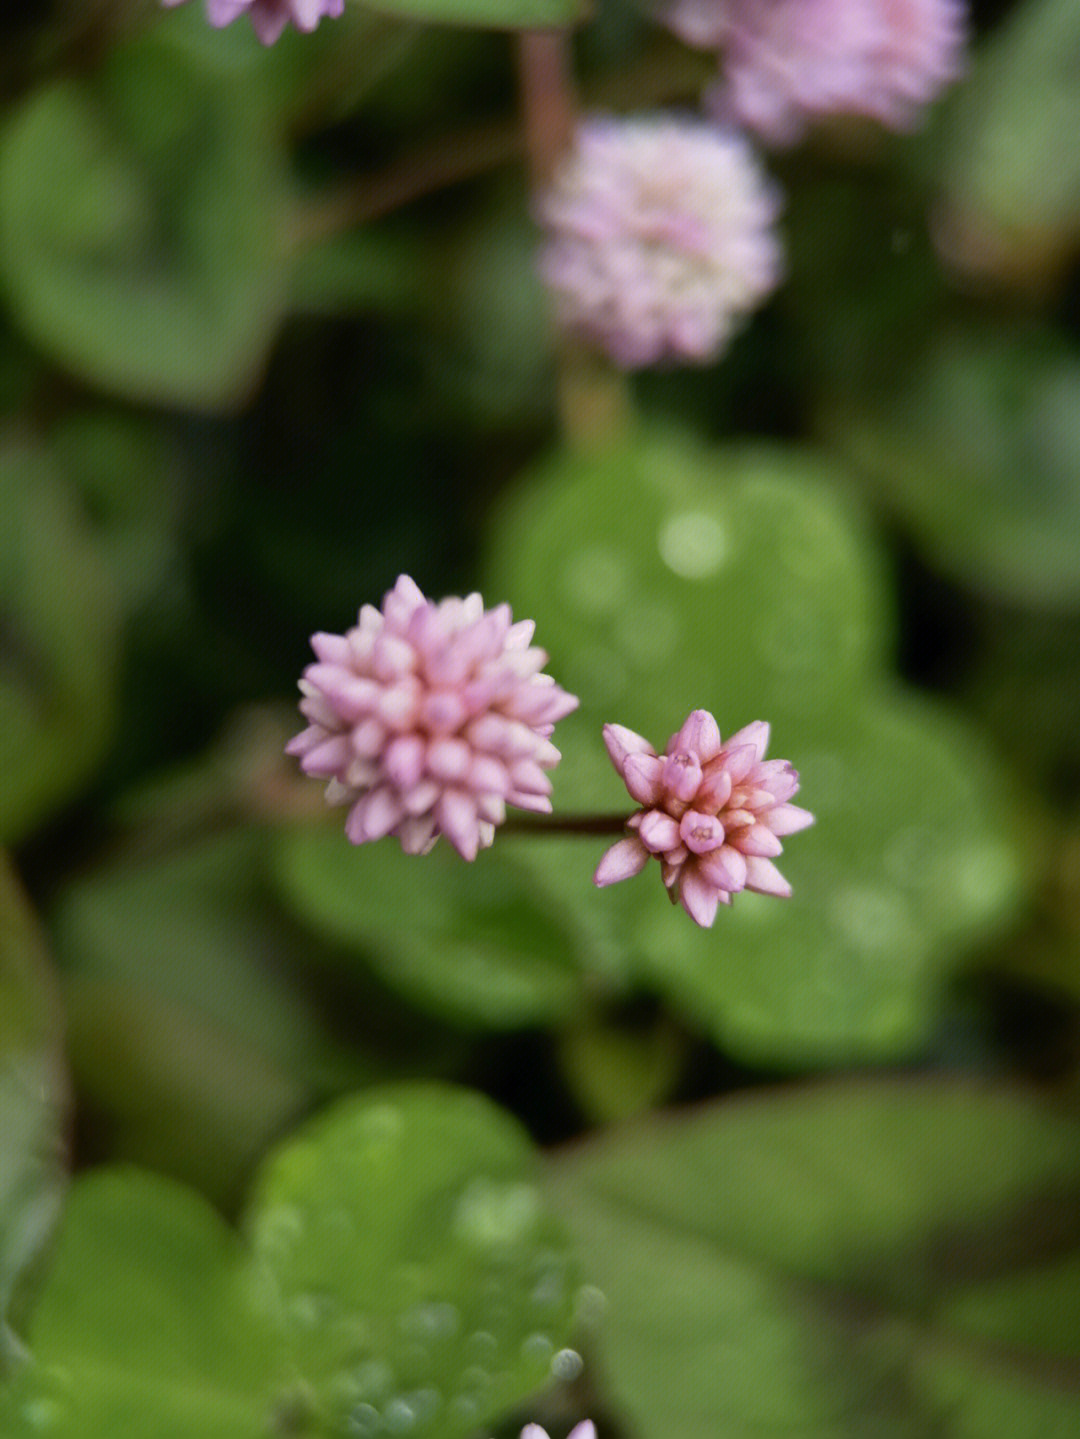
point(473, 942)
point(665, 579)
point(184, 983)
point(142, 227)
point(33, 1096)
point(486, 14)
point(418, 1279)
point(141, 1328)
point(404, 1275)
point(58, 641)
point(1012, 201)
point(887, 1259)
point(977, 448)
point(369, 270)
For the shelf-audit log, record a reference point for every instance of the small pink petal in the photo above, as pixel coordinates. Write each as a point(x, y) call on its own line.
point(725, 867)
point(404, 761)
point(374, 815)
point(740, 761)
point(328, 758)
point(330, 649)
point(622, 742)
point(701, 833)
point(788, 819)
point(759, 840)
point(456, 816)
point(642, 776)
point(763, 877)
point(755, 734)
point(442, 711)
point(700, 735)
point(698, 897)
point(622, 861)
point(417, 833)
point(714, 791)
point(658, 831)
point(681, 776)
point(448, 760)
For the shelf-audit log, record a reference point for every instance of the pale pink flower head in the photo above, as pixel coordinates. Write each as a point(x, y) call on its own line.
point(660, 238)
point(270, 17)
point(787, 63)
point(712, 813)
point(430, 719)
point(585, 1430)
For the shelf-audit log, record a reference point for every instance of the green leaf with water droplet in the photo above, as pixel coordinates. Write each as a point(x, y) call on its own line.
point(142, 1327)
point(664, 578)
point(884, 1258)
point(473, 942)
point(58, 640)
point(33, 1100)
point(142, 212)
point(418, 1281)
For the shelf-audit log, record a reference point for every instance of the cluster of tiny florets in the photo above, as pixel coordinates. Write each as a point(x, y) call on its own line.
point(270, 17)
point(430, 719)
point(712, 813)
point(788, 63)
point(659, 238)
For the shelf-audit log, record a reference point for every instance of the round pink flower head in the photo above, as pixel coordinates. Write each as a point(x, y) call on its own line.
point(430, 719)
point(269, 17)
point(660, 238)
point(787, 63)
point(712, 813)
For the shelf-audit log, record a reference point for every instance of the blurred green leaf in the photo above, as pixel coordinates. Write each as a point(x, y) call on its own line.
point(33, 1096)
point(418, 1280)
point(404, 1275)
point(58, 641)
point(1012, 189)
point(142, 227)
point(141, 1328)
point(486, 14)
point(976, 446)
point(883, 1258)
point(664, 578)
point(186, 987)
point(472, 942)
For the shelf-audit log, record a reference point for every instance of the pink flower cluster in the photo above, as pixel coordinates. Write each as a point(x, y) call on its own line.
point(660, 238)
point(585, 1430)
point(712, 813)
point(430, 719)
point(787, 63)
point(270, 17)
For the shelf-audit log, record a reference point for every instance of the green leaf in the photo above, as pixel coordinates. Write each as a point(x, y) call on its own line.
point(193, 1034)
point(33, 1096)
point(141, 1327)
point(976, 447)
point(58, 641)
point(1007, 210)
point(875, 1260)
point(473, 942)
point(665, 579)
point(417, 1279)
point(142, 227)
point(486, 14)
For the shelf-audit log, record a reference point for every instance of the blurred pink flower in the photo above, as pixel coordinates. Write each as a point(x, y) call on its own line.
point(660, 238)
point(788, 62)
point(712, 813)
point(585, 1430)
point(430, 719)
point(269, 17)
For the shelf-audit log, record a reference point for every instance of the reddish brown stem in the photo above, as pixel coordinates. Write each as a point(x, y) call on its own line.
point(547, 99)
point(586, 824)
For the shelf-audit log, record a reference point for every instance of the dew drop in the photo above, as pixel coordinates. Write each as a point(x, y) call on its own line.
point(566, 1365)
point(590, 1304)
point(482, 1345)
point(431, 1321)
point(694, 544)
point(464, 1406)
point(399, 1416)
point(369, 1380)
point(492, 1215)
point(537, 1348)
point(363, 1420)
point(476, 1377)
